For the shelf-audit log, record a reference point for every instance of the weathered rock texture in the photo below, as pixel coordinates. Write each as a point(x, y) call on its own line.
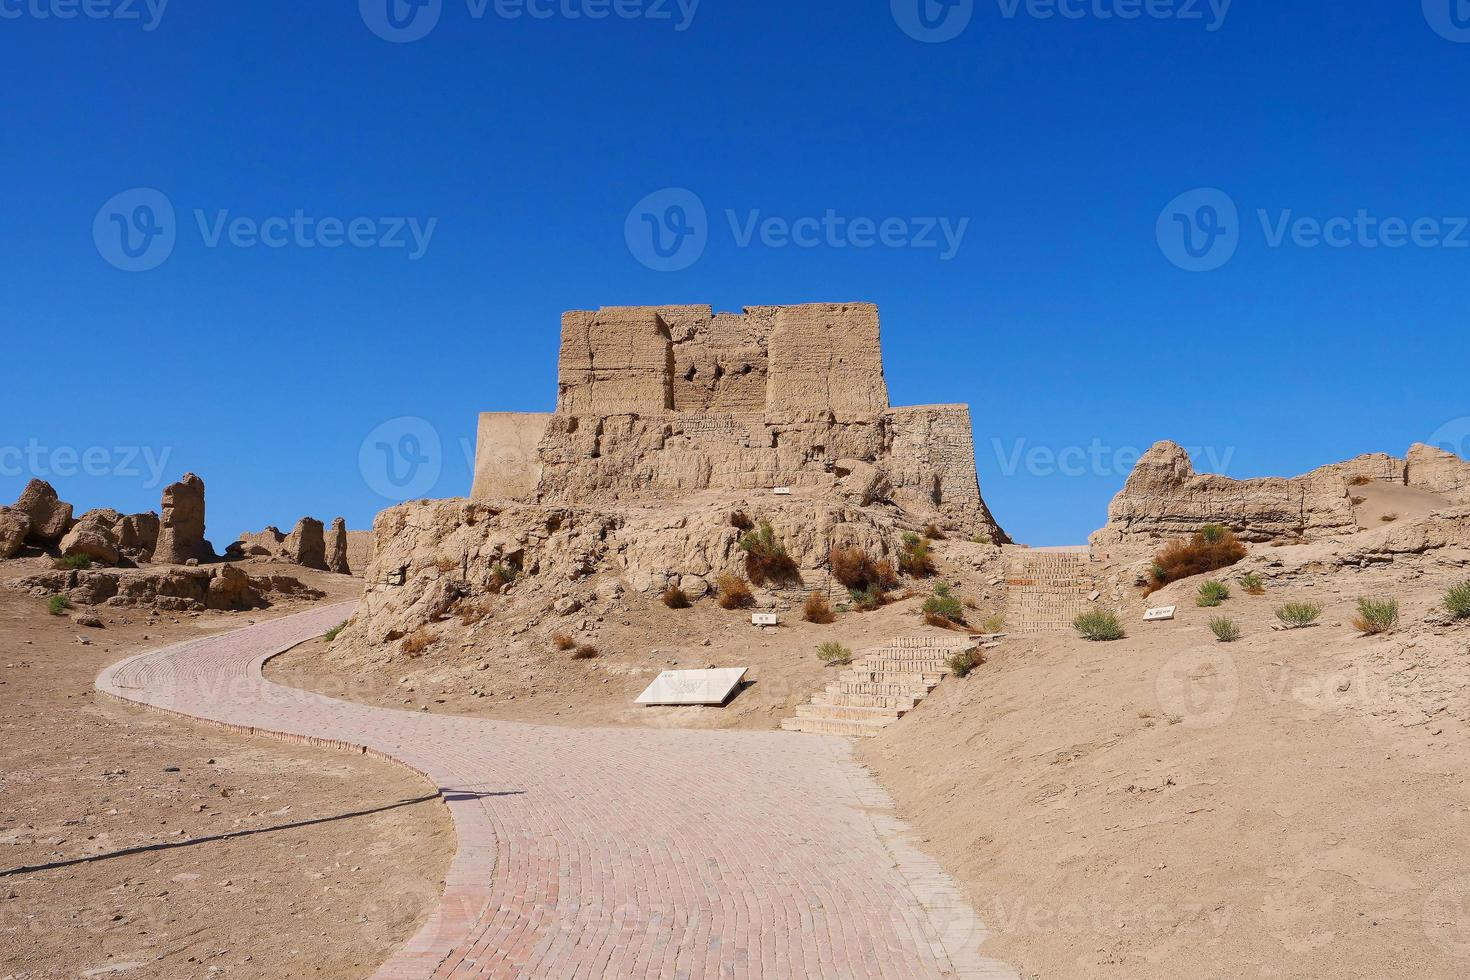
point(306, 545)
point(337, 560)
point(181, 533)
point(1165, 498)
point(656, 403)
point(106, 536)
point(50, 516)
point(223, 587)
point(15, 527)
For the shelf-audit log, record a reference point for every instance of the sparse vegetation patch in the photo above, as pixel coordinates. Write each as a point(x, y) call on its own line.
point(963, 661)
point(818, 609)
point(1376, 616)
point(1457, 600)
point(57, 605)
point(1211, 594)
point(944, 608)
point(916, 560)
point(1253, 583)
point(1299, 614)
point(834, 654)
point(766, 559)
point(1225, 630)
point(734, 592)
point(1209, 549)
point(676, 598)
point(1099, 626)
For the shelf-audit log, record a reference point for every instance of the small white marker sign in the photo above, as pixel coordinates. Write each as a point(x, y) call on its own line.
point(782, 491)
point(1160, 614)
point(765, 619)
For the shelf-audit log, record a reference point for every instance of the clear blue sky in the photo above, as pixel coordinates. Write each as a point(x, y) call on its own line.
point(1060, 317)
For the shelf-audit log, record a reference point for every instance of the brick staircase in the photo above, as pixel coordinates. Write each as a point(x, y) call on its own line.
point(879, 687)
point(1047, 588)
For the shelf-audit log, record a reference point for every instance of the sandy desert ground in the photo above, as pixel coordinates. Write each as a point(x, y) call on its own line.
point(167, 849)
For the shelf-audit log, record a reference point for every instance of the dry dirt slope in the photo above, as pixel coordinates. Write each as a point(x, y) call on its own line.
point(1291, 805)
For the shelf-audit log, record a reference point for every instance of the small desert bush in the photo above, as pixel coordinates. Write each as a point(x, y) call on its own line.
point(58, 604)
point(562, 641)
point(963, 661)
point(1457, 601)
point(980, 539)
point(586, 652)
point(933, 533)
point(818, 609)
point(885, 575)
point(1360, 481)
point(765, 557)
point(1099, 625)
point(994, 623)
point(1211, 594)
point(73, 562)
point(866, 600)
point(1225, 630)
point(471, 613)
point(335, 632)
point(675, 598)
point(1299, 614)
point(1211, 548)
point(415, 643)
point(852, 567)
point(1253, 583)
point(943, 608)
point(834, 654)
point(915, 558)
point(733, 592)
point(501, 577)
point(1376, 616)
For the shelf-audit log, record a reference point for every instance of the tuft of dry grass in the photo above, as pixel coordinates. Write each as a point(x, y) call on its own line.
point(766, 559)
point(915, 559)
point(1208, 549)
point(734, 592)
point(562, 641)
point(586, 652)
point(675, 598)
point(818, 609)
point(852, 567)
point(415, 643)
point(1376, 616)
point(834, 654)
point(1360, 481)
point(933, 533)
point(1299, 615)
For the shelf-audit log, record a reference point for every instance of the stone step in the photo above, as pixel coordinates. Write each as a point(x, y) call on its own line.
point(827, 712)
point(889, 690)
point(927, 665)
point(851, 729)
point(904, 702)
point(913, 677)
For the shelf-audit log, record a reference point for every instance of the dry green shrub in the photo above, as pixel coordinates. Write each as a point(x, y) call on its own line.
point(994, 623)
point(74, 563)
point(933, 533)
point(1211, 594)
point(943, 608)
point(1376, 616)
point(1297, 615)
point(852, 567)
point(562, 641)
point(834, 654)
point(415, 643)
point(1099, 626)
point(501, 577)
point(766, 559)
point(915, 559)
point(1211, 548)
point(734, 592)
point(869, 599)
point(586, 652)
point(335, 632)
point(675, 598)
point(1224, 629)
point(58, 604)
point(1457, 601)
point(963, 661)
point(1253, 583)
point(818, 609)
point(885, 575)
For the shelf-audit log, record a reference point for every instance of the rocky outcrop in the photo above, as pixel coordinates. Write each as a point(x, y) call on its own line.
point(108, 537)
point(306, 545)
point(181, 530)
point(1165, 498)
point(225, 588)
point(337, 560)
point(50, 516)
point(15, 527)
point(1437, 471)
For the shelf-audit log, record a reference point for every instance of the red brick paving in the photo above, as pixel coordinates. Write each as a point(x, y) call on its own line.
point(615, 852)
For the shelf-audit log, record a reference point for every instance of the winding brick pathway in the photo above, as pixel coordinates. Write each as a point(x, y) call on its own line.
point(615, 852)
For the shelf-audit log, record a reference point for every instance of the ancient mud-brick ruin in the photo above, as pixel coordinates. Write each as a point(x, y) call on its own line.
point(658, 403)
